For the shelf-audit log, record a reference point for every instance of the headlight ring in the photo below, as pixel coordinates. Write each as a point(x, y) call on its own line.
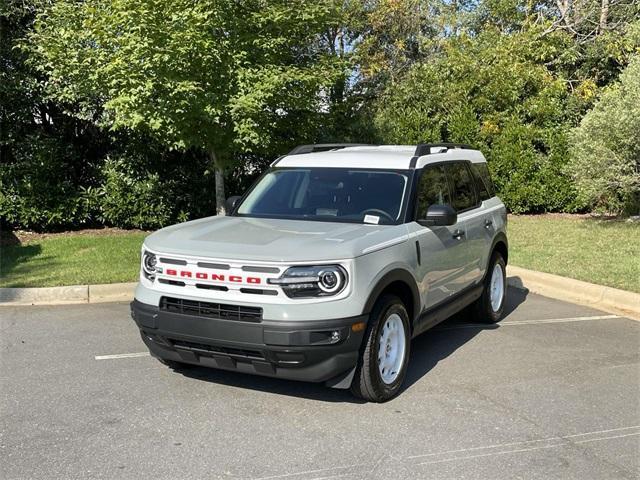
point(149, 264)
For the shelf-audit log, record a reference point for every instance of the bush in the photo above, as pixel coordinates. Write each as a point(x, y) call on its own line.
point(605, 152)
point(527, 179)
point(131, 196)
point(493, 93)
point(47, 185)
point(39, 189)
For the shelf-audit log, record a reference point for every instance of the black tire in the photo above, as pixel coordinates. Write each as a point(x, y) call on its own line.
point(481, 309)
point(367, 381)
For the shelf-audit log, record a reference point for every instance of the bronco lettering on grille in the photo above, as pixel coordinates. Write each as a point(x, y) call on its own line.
point(215, 277)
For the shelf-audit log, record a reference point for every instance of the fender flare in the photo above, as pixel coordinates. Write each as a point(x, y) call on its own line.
point(500, 237)
point(395, 275)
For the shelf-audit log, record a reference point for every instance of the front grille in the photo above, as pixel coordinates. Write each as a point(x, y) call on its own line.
point(202, 348)
point(212, 310)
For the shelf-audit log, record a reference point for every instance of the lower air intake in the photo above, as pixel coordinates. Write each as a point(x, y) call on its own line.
point(212, 310)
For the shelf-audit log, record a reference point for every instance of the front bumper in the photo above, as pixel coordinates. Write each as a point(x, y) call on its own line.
point(288, 350)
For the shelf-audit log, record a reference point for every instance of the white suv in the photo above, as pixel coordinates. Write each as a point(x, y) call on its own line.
point(328, 266)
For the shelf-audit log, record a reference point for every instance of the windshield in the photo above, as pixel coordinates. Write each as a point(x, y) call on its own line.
point(328, 194)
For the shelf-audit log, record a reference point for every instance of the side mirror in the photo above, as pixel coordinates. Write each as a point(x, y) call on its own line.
point(439, 216)
point(231, 203)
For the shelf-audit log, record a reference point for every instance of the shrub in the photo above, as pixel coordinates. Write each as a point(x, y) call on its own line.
point(605, 152)
point(132, 197)
point(494, 94)
point(38, 188)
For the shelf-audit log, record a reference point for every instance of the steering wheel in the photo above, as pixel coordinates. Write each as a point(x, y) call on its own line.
point(378, 212)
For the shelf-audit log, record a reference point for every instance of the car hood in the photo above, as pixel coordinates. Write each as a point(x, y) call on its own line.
point(273, 240)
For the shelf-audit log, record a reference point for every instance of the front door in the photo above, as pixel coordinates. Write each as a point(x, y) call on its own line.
point(442, 252)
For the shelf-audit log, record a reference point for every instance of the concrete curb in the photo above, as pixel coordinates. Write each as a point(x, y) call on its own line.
point(608, 299)
point(114, 292)
point(613, 300)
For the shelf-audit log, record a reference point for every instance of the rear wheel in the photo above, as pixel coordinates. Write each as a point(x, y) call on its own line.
point(490, 306)
point(385, 352)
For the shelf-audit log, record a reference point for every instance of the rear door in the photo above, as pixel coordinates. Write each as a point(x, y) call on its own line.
point(466, 202)
point(483, 225)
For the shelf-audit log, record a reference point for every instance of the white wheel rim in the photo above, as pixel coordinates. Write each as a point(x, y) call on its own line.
point(391, 348)
point(496, 289)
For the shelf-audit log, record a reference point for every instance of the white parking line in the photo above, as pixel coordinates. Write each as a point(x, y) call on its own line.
point(464, 454)
point(521, 450)
point(122, 355)
point(524, 442)
point(529, 322)
point(608, 438)
point(560, 320)
point(448, 327)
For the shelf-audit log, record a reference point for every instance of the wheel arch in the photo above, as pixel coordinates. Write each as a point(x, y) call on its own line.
point(397, 282)
point(500, 245)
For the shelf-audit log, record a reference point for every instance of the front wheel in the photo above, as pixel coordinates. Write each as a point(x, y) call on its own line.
point(385, 352)
point(490, 306)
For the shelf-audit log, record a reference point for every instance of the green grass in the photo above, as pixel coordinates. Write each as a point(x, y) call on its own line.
point(72, 260)
point(604, 252)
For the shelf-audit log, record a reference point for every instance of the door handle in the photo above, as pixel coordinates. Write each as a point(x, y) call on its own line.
point(458, 234)
point(488, 223)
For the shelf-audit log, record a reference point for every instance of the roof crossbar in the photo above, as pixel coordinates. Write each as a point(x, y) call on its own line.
point(425, 148)
point(323, 147)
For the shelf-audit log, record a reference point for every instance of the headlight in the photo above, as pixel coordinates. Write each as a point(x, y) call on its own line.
point(312, 281)
point(149, 262)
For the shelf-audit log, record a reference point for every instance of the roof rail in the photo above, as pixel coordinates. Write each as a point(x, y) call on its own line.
point(323, 147)
point(425, 148)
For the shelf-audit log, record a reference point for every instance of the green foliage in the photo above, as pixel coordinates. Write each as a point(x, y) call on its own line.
point(132, 197)
point(111, 109)
point(492, 92)
point(605, 149)
point(211, 75)
point(37, 189)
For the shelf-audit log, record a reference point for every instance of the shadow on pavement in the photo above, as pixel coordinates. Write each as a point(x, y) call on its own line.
point(426, 351)
point(438, 343)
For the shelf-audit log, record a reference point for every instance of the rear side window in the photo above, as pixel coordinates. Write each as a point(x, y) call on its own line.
point(433, 189)
point(462, 185)
point(483, 180)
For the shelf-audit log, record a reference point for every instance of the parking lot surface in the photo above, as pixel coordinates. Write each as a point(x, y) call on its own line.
point(552, 392)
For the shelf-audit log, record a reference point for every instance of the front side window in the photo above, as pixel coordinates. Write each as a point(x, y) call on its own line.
point(432, 190)
point(464, 193)
point(328, 194)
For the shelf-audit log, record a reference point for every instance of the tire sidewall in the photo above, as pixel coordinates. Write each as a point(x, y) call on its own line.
point(393, 305)
point(489, 312)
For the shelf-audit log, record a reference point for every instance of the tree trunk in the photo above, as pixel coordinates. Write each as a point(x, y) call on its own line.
point(604, 15)
point(563, 9)
point(219, 178)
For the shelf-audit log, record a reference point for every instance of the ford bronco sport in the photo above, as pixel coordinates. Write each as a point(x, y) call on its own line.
point(328, 266)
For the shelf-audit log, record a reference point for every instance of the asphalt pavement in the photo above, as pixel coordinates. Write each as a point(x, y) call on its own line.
point(553, 392)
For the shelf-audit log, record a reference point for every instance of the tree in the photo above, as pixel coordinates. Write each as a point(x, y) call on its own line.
point(216, 76)
point(605, 153)
point(47, 158)
point(494, 92)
